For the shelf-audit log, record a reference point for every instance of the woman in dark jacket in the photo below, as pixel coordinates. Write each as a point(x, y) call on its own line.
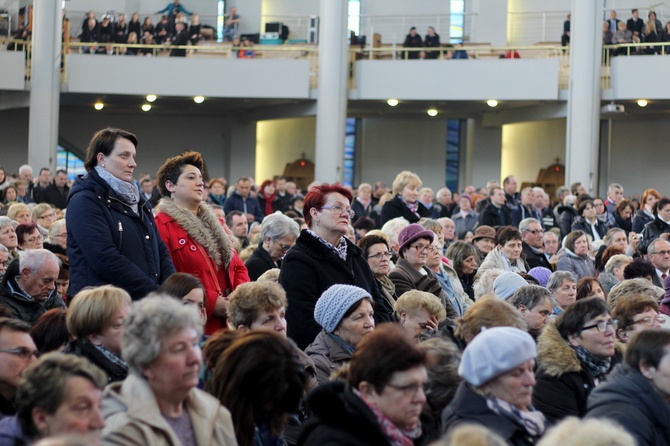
point(623, 215)
point(465, 260)
point(406, 202)
point(322, 257)
point(588, 222)
point(660, 224)
point(646, 212)
point(636, 394)
point(278, 235)
point(111, 233)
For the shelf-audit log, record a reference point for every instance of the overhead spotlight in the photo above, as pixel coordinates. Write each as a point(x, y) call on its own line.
point(151, 97)
point(492, 103)
point(199, 99)
point(99, 106)
point(642, 102)
point(432, 112)
point(392, 102)
point(146, 107)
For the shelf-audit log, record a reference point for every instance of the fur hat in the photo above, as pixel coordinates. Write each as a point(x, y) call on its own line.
point(334, 302)
point(541, 274)
point(507, 283)
point(495, 351)
point(484, 232)
point(411, 233)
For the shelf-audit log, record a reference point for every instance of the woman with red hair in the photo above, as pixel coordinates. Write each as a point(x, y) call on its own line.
point(646, 212)
point(321, 257)
point(267, 195)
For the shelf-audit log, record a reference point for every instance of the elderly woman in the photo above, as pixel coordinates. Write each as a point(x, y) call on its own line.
point(187, 289)
point(95, 320)
point(464, 258)
point(28, 236)
point(536, 304)
point(497, 369)
point(466, 218)
point(44, 215)
point(259, 377)
point(646, 212)
point(376, 250)
point(362, 205)
point(588, 221)
point(382, 399)
point(321, 257)
point(194, 238)
point(563, 286)
point(19, 212)
point(574, 256)
point(345, 312)
point(58, 235)
point(411, 273)
point(111, 234)
point(58, 395)
point(507, 253)
point(8, 237)
point(484, 239)
point(278, 235)
point(576, 351)
point(159, 403)
point(447, 277)
point(616, 238)
point(636, 393)
point(636, 313)
point(405, 202)
point(419, 312)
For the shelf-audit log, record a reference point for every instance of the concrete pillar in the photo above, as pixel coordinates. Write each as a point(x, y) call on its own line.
point(331, 105)
point(583, 125)
point(45, 84)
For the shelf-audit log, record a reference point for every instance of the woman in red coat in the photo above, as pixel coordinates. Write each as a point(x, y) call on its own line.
point(196, 241)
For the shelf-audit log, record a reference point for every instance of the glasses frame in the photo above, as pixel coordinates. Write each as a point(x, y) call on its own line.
point(411, 389)
point(379, 255)
point(648, 320)
point(339, 209)
point(21, 352)
point(614, 323)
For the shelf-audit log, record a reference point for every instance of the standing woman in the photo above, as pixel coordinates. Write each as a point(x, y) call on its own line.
point(195, 240)
point(646, 212)
point(278, 235)
point(406, 202)
point(659, 225)
point(267, 196)
point(623, 215)
point(111, 233)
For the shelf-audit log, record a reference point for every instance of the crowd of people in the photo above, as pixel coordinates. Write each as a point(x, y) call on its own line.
point(168, 309)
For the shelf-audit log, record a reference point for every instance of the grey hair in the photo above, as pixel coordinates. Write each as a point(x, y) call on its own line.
point(617, 261)
point(484, 283)
point(610, 235)
point(278, 226)
point(557, 277)
point(561, 190)
point(25, 168)
point(525, 224)
point(634, 286)
point(441, 192)
point(56, 226)
point(6, 221)
point(3, 248)
point(569, 200)
point(613, 187)
point(34, 259)
point(392, 229)
point(651, 248)
point(151, 320)
point(530, 296)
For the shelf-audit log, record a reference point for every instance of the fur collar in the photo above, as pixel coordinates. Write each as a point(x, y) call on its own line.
point(204, 228)
point(554, 354)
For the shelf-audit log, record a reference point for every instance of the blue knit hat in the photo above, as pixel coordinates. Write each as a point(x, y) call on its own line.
point(506, 284)
point(334, 302)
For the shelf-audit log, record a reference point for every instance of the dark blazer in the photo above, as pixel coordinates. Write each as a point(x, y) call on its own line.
point(397, 208)
point(235, 202)
point(652, 231)
point(259, 262)
point(533, 259)
point(582, 225)
point(491, 217)
point(55, 196)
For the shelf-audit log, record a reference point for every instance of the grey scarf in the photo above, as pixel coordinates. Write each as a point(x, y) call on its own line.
point(128, 192)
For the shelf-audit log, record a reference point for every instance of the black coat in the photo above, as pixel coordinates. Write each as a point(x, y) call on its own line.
point(533, 259)
point(640, 219)
point(470, 407)
point(309, 269)
point(568, 216)
point(259, 262)
point(491, 216)
point(55, 196)
point(85, 349)
point(395, 207)
point(340, 418)
point(629, 399)
point(582, 225)
point(652, 231)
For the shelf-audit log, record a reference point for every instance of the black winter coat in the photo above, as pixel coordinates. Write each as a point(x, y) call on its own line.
point(340, 418)
point(309, 269)
point(108, 243)
point(582, 225)
point(533, 259)
point(640, 219)
point(84, 349)
point(568, 215)
point(629, 399)
point(259, 262)
point(652, 231)
point(397, 208)
point(491, 217)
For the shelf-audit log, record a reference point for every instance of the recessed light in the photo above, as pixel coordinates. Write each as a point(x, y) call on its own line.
point(146, 107)
point(432, 112)
point(492, 103)
point(99, 106)
point(392, 102)
point(151, 97)
point(642, 102)
point(199, 99)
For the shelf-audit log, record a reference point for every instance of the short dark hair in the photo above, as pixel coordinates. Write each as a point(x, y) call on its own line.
point(639, 268)
point(647, 347)
point(660, 204)
point(12, 324)
point(530, 296)
point(23, 230)
point(572, 321)
point(230, 215)
point(50, 331)
point(625, 309)
point(173, 167)
point(316, 198)
point(582, 206)
point(571, 238)
point(103, 142)
point(366, 242)
point(179, 285)
point(506, 234)
point(61, 171)
point(585, 287)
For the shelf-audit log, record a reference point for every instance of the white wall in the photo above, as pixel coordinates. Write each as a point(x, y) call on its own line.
point(12, 70)
point(482, 154)
point(282, 141)
point(486, 24)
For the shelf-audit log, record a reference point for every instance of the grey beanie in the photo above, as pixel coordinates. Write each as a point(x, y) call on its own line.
point(493, 352)
point(506, 284)
point(334, 302)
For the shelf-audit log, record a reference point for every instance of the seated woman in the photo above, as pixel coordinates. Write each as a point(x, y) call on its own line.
point(588, 222)
point(507, 253)
point(405, 202)
point(497, 369)
point(574, 258)
point(646, 212)
point(447, 277)
point(382, 400)
point(259, 377)
point(57, 236)
point(419, 312)
point(58, 395)
point(278, 235)
point(29, 237)
point(362, 205)
point(95, 320)
point(158, 403)
point(44, 215)
point(623, 215)
point(636, 394)
point(19, 212)
point(411, 272)
point(653, 229)
point(484, 239)
point(576, 351)
point(464, 259)
point(267, 197)
point(346, 315)
point(50, 332)
point(188, 289)
point(8, 238)
point(376, 249)
point(636, 313)
point(590, 286)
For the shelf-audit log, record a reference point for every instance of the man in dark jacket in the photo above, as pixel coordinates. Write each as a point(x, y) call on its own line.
point(56, 193)
point(28, 287)
point(240, 200)
point(495, 214)
point(532, 243)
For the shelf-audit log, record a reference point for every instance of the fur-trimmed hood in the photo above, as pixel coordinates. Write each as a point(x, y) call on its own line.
point(203, 227)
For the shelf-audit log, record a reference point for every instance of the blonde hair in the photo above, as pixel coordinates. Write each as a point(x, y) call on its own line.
point(591, 432)
point(38, 210)
point(415, 300)
point(488, 311)
point(15, 209)
point(93, 309)
point(404, 179)
point(471, 434)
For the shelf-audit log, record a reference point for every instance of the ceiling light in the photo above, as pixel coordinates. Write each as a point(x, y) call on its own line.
point(392, 102)
point(151, 97)
point(99, 106)
point(642, 102)
point(146, 107)
point(492, 103)
point(432, 112)
point(199, 99)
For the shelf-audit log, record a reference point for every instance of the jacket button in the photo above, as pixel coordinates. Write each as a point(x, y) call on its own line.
point(193, 248)
point(146, 237)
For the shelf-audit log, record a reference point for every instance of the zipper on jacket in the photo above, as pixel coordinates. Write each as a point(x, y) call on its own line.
point(120, 234)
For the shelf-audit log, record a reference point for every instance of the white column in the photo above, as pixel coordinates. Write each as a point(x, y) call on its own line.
point(331, 105)
point(583, 125)
point(45, 84)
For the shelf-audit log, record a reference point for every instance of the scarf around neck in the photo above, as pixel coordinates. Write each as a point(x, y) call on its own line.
point(595, 366)
point(340, 250)
point(128, 192)
point(396, 435)
point(532, 420)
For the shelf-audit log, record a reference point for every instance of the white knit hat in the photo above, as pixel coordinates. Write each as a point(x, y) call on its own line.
point(506, 284)
point(495, 351)
point(334, 302)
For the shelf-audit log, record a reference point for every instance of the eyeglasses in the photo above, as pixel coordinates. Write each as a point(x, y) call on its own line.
point(47, 216)
point(421, 248)
point(602, 326)
point(648, 321)
point(339, 209)
point(661, 253)
point(64, 234)
point(21, 352)
point(284, 248)
point(34, 239)
point(411, 389)
point(379, 255)
point(535, 231)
